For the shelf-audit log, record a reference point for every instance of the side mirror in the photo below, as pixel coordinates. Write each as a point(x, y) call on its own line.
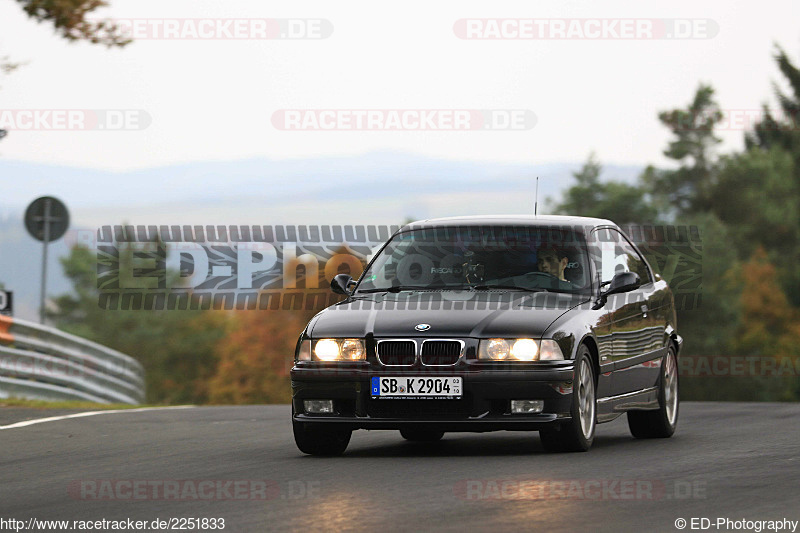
point(622, 282)
point(341, 283)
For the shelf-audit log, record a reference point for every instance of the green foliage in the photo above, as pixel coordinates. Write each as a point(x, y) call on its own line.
point(747, 207)
point(782, 130)
point(759, 199)
point(689, 188)
point(709, 327)
point(177, 348)
point(621, 202)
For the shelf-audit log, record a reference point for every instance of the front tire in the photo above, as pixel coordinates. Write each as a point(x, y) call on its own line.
point(576, 435)
point(660, 423)
point(315, 439)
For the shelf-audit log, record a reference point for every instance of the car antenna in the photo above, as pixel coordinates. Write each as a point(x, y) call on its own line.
point(536, 199)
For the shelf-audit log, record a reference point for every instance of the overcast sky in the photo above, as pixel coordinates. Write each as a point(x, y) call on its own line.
point(214, 99)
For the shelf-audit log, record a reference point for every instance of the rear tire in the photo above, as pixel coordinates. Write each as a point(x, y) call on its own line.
point(421, 435)
point(315, 439)
point(576, 435)
point(660, 423)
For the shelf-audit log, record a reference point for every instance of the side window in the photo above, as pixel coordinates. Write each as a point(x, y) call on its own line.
point(615, 254)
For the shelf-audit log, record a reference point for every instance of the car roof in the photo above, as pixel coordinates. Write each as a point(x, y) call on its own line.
point(513, 220)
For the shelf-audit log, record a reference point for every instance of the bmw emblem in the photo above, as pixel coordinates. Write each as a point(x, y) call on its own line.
point(422, 327)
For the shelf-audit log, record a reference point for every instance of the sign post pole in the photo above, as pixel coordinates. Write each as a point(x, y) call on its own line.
point(46, 219)
point(46, 222)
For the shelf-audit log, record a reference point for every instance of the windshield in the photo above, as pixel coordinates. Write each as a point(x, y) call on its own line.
point(480, 258)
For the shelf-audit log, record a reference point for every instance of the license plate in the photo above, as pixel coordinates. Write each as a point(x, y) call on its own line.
point(416, 387)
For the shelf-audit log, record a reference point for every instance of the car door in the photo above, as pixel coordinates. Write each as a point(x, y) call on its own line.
point(630, 326)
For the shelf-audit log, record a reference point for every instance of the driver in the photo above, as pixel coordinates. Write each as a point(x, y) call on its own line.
point(553, 261)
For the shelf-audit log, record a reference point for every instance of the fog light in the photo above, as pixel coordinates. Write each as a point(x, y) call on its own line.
point(519, 407)
point(318, 406)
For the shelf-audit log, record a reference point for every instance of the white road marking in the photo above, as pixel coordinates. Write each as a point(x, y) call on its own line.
point(89, 413)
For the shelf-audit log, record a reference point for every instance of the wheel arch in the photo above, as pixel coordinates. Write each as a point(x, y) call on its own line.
point(594, 354)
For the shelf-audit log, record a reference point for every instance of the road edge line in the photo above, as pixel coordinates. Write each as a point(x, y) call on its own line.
point(35, 421)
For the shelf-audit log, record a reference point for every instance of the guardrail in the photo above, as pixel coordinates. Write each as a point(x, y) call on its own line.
point(43, 363)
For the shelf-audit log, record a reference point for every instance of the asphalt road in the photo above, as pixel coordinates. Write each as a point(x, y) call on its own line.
point(732, 460)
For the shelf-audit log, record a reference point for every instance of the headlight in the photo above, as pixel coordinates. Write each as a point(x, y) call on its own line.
point(519, 350)
point(494, 349)
point(353, 350)
point(525, 350)
point(340, 350)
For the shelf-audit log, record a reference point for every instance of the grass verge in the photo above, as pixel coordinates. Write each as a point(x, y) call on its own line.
point(41, 404)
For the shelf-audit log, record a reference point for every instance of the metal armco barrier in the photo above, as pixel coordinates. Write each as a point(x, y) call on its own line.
point(42, 363)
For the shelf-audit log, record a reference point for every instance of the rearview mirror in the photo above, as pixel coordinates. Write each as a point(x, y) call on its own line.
point(341, 283)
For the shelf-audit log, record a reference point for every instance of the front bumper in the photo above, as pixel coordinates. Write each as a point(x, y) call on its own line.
point(484, 405)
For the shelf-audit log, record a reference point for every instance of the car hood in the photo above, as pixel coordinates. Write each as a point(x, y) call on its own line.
point(449, 314)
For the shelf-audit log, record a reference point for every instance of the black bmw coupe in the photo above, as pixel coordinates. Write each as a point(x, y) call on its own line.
point(548, 324)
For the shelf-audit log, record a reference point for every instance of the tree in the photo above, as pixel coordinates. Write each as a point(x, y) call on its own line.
point(176, 347)
point(615, 200)
point(688, 189)
point(70, 18)
point(781, 131)
point(759, 199)
point(255, 357)
point(766, 313)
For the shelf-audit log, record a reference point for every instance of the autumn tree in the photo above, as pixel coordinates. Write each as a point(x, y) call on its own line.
point(255, 357)
point(257, 352)
point(768, 321)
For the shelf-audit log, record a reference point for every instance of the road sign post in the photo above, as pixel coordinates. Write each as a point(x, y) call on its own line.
point(46, 219)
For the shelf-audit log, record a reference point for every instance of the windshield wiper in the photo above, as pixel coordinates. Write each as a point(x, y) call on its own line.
point(395, 289)
point(512, 287)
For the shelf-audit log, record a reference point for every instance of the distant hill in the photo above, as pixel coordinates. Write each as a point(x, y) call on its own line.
point(374, 188)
